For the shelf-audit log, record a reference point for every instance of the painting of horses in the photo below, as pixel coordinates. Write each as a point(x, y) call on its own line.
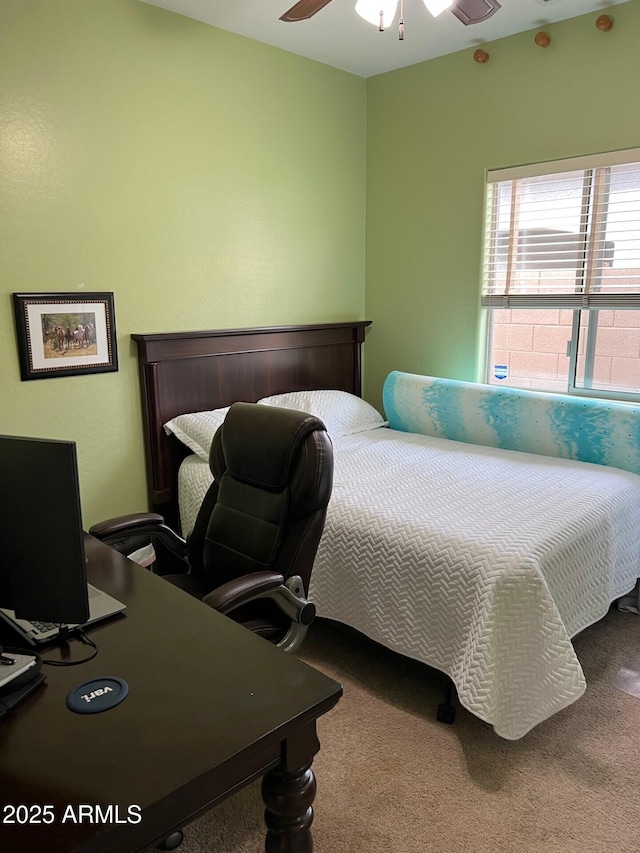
point(69, 335)
point(60, 334)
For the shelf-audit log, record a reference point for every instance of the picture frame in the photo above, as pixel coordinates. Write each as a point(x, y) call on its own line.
point(65, 334)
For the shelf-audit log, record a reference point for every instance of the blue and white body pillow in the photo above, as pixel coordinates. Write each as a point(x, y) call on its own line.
point(559, 425)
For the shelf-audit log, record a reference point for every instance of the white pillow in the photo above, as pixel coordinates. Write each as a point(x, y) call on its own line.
point(197, 429)
point(341, 412)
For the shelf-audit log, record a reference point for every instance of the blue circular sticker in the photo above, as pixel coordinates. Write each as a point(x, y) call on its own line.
point(99, 694)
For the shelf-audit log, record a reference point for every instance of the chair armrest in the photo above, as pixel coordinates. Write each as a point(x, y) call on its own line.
point(116, 531)
point(289, 596)
point(125, 523)
point(242, 590)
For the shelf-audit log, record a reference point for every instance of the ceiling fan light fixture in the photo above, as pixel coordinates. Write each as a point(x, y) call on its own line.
point(378, 12)
point(436, 7)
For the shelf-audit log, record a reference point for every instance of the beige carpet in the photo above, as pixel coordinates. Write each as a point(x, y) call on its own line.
point(391, 778)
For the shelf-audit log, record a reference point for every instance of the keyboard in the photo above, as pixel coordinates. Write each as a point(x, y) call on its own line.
point(33, 631)
point(41, 629)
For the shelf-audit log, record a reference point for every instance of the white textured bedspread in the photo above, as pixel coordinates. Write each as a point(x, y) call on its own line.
point(480, 562)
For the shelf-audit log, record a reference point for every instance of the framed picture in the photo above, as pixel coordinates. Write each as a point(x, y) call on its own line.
point(65, 334)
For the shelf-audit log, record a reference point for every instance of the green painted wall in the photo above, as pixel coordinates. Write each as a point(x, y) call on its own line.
point(210, 181)
point(207, 180)
point(433, 129)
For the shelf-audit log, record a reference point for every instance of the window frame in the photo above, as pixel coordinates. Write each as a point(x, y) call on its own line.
point(590, 247)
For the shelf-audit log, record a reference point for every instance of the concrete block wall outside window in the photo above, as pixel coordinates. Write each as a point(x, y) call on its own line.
point(533, 345)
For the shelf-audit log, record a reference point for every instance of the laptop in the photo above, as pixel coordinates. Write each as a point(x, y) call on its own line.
point(101, 606)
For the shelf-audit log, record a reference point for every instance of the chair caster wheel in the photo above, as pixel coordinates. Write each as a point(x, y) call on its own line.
point(446, 713)
point(171, 841)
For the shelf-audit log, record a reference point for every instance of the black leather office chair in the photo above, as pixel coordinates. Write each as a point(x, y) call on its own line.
point(253, 545)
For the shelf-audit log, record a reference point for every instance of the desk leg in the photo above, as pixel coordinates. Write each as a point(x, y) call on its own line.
point(288, 792)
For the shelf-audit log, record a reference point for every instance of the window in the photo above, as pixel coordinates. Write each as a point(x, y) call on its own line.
point(561, 278)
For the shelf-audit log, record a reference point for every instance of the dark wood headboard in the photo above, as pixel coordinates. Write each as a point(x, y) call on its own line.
point(197, 371)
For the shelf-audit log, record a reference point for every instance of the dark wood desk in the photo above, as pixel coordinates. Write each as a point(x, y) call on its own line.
point(210, 708)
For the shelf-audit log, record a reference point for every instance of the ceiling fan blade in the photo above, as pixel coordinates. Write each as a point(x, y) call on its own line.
point(304, 9)
point(474, 11)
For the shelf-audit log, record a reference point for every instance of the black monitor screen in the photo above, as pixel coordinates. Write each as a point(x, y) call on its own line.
point(43, 571)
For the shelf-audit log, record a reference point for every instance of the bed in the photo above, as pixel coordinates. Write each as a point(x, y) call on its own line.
point(482, 562)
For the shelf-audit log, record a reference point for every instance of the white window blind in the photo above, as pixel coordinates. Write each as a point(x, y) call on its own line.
point(564, 234)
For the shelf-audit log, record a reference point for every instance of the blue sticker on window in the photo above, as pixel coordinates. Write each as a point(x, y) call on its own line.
point(500, 371)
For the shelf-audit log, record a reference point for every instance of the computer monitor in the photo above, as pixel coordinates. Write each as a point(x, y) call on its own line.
point(42, 559)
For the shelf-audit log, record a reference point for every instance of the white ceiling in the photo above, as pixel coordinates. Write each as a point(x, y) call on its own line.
point(338, 36)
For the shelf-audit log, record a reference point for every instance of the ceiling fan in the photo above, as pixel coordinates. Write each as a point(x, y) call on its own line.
point(467, 11)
